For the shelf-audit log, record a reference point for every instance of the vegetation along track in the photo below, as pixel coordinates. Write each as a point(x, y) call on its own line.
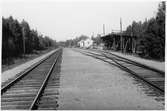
point(36, 88)
point(153, 78)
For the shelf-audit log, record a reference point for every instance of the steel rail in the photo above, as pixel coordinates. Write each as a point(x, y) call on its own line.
point(11, 83)
point(34, 104)
point(132, 72)
point(136, 63)
point(118, 58)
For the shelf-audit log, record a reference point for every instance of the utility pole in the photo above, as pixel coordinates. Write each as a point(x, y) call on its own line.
point(92, 34)
point(132, 39)
point(23, 33)
point(121, 34)
point(103, 29)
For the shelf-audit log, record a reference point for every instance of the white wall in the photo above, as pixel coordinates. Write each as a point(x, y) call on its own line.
point(85, 43)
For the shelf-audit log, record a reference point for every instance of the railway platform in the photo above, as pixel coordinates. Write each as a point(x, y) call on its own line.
point(91, 84)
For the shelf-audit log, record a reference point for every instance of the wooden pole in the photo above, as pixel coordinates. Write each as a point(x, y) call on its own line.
point(126, 45)
point(23, 41)
point(132, 43)
point(104, 29)
point(114, 43)
point(121, 34)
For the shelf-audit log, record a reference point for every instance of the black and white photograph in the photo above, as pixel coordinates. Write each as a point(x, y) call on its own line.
point(83, 55)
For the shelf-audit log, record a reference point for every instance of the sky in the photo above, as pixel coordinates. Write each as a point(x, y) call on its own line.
point(62, 20)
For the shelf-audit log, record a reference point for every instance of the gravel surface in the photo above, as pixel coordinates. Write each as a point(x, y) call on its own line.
point(87, 83)
point(13, 72)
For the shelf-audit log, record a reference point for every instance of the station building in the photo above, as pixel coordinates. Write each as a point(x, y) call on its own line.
point(87, 43)
point(125, 43)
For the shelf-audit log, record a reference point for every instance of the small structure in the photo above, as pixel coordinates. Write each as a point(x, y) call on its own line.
point(114, 42)
point(81, 43)
point(87, 43)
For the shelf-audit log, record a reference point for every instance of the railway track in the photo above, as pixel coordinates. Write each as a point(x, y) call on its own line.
point(130, 61)
point(36, 88)
point(152, 77)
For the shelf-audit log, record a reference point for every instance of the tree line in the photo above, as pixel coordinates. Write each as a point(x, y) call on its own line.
point(15, 34)
point(150, 34)
point(73, 42)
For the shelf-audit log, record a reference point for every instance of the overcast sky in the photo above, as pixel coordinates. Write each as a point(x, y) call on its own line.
point(65, 20)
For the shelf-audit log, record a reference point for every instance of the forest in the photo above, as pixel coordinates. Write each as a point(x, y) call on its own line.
point(150, 34)
point(19, 39)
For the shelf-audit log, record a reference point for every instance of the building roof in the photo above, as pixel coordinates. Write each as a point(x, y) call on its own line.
point(109, 36)
point(85, 40)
